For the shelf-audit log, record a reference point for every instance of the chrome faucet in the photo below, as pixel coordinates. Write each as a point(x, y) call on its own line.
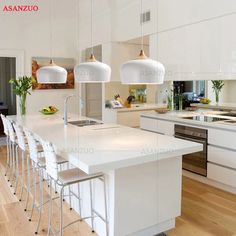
point(66, 106)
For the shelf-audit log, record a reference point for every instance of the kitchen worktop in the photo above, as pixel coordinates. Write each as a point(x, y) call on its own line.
point(212, 105)
point(139, 107)
point(177, 116)
point(104, 147)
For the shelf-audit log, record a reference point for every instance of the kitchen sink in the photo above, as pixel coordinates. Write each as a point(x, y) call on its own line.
point(82, 123)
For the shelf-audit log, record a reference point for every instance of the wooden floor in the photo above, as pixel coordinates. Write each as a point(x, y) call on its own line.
point(206, 211)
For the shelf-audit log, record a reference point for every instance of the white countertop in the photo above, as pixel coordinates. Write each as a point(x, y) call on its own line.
point(105, 147)
point(139, 107)
point(229, 106)
point(176, 116)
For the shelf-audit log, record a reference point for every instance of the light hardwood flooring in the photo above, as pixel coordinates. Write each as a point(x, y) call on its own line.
point(206, 211)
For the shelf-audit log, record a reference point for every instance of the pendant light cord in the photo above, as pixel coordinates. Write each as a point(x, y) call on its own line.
point(51, 26)
point(141, 17)
point(91, 27)
point(76, 26)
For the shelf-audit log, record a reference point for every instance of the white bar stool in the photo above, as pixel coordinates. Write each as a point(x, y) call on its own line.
point(13, 147)
point(39, 165)
point(68, 178)
point(6, 132)
point(23, 145)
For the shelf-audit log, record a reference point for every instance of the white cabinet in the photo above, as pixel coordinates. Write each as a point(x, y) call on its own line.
point(130, 118)
point(222, 138)
point(209, 50)
point(228, 47)
point(179, 51)
point(222, 156)
point(221, 174)
point(158, 126)
point(221, 165)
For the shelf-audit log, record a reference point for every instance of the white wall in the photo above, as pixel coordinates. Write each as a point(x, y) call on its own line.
point(30, 32)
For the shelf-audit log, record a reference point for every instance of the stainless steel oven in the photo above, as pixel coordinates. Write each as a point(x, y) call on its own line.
point(194, 162)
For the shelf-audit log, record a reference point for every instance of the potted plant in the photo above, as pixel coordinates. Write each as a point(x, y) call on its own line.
point(217, 86)
point(21, 87)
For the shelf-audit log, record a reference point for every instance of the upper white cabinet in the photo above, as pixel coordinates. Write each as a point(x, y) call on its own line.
point(179, 51)
point(209, 50)
point(202, 51)
point(174, 14)
point(227, 47)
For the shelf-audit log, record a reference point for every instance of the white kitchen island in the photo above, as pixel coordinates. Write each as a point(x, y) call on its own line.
point(143, 171)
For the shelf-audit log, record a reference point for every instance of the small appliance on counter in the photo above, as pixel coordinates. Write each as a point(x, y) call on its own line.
point(129, 100)
point(115, 104)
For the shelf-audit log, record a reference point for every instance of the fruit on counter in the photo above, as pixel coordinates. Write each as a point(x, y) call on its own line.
point(205, 100)
point(50, 109)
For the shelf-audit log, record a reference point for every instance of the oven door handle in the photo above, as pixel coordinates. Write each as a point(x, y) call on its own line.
point(190, 139)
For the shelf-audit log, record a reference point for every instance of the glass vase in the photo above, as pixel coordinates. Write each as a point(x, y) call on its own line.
point(23, 104)
point(217, 95)
point(180, 98)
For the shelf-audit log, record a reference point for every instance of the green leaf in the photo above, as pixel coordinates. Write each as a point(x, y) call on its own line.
point(22, 85)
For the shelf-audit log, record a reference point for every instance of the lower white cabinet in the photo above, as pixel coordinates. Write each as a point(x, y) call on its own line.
point(221, 174)
point(222, 138)
point(158, 126)
point(221, 165)
point(130, 118)
point(222, 156)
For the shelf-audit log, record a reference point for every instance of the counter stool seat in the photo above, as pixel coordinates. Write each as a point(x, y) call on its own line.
point(75, 175)
point(42, 161)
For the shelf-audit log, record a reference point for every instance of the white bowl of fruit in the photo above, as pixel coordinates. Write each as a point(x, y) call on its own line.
point(50, 110)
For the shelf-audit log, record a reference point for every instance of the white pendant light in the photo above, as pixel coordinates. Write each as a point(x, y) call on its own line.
point(142, 70)
point(92, 71)
point(52, 73)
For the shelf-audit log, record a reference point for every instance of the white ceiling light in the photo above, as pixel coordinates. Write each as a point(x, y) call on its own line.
point(92, 71)
point(52, 73)
point(142, 70)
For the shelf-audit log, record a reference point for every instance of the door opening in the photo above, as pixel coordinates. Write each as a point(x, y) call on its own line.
point(7, 96)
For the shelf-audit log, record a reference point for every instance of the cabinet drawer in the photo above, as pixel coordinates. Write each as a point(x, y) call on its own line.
point(221, 174)
point(222, 138)
point(158, 126)
point(222, 156)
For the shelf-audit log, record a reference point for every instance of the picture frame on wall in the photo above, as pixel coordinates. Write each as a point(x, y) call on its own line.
point(67, 63)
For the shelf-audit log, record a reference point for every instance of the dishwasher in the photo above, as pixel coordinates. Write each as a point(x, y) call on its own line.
point(194, 162)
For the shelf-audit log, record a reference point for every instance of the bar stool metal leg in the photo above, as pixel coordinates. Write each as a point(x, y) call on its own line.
point(41, 200)
point(61, 210)
point(11, 179)
point(8, 156)
point(29, 183)
point(91, 204)
point(105, 203)
point(34, 191)
point(10, 160)
point(23, 174)
point(17, 169)
point(50, 209)
point(79, 199)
